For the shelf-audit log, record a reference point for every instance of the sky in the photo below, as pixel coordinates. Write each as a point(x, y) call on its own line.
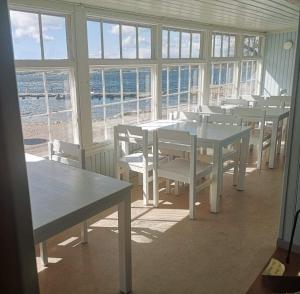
point(26, 36)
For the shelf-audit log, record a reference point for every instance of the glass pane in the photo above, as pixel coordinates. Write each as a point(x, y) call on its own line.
point(185, 45)
point(225, 47)
point(246, 47)
point(96, 90)
point(145, 110)
point(112, 86)
point(54, 37)
point(36, 134)
point(31, 93)
point(144, 35)
point(232, 46)
point(256, 46)
point(165, 38)
point(243, 72)
point(184, 98)
point(249, 71)
point(224, 73)
point(130, 112)
point(184, 79)
point(98, 124)
point(195, 45)
point(194, 79)
point(216, 74)
point(144, 82)
point(174, 44)
point(25, 35)
point(128, 42)
point(230, 72)
point(113, 117)
point(173, 79)
point(94, 39)
point(173, 101)
point(111, 39)
point(164, 81)
point(129, 84)
point(58, 87)
point(61, 126)
point(217, 45)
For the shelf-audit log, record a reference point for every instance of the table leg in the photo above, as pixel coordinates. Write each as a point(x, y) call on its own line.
point(243, 162)
point(124, 222)
point(44, 253)
point(216, 180)
point(272, 155)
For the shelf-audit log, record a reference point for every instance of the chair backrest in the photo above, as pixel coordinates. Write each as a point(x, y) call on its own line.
point(207, 109)
point(129, 134)
point(225, 119)
point(67, 153)
point(239, 102)
point(285, 100)
point(176, 141)
point(186, 116)
point(251, 115)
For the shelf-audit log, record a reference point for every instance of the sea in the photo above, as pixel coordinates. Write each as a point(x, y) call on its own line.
point(32, 87)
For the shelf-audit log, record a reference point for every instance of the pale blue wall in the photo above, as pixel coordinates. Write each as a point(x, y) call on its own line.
point(278, 63)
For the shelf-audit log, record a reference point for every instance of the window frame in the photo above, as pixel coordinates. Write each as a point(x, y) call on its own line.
point(47, 62)
point(259, 52)
point(183, 59)
point(212, 47)
point(102, 60)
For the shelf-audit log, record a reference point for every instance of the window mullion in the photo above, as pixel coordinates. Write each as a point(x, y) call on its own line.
point(120, 41)
point(137, 95)
point(137, 42)
point(102, 40)
point(41, 36)
point(179, 88)
point(122, 95)
point(104, 103)
point(189, 88)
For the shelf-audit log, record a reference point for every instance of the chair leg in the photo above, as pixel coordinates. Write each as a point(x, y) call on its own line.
point(44, 253)
point(140, 178)
point(126, 175)
point(155, 189)
point(192, 192)
point(236, 164)
point(167, 186)
point(145, 189)
point(84, 232)
point(176, 188)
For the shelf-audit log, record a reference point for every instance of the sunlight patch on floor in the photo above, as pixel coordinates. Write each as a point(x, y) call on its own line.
point(41, 267)
point(147, 223)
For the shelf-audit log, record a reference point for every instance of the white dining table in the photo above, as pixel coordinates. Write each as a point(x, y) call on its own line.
point(275, 116)
point(62, 196)
point(219, 136)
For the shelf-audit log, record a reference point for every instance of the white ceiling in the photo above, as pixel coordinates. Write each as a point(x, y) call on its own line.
point(255, 15)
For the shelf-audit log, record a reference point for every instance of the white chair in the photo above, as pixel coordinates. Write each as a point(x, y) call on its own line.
point(238, 102)
point(73, 155)
point(140, 161)
point(285, 100)
point(259, 137)
point(186, 116)
point(210, 109)
point(231, 154)
point(186, 170)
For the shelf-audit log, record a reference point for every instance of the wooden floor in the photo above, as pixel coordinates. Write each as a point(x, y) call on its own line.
point(216, 253)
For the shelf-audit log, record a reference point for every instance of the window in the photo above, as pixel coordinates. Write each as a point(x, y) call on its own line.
point(181, 87)
point(120, 41)
point(251, 46)
point(46, 108)
point(249, 78)
point(181, 44)
point(119, 96)
point(222, 82)
point(38, 36)
point(223, 45)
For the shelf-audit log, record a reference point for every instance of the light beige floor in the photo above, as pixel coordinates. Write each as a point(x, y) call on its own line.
point(216, 253)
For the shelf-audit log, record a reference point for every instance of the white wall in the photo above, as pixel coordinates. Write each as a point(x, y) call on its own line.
point(278, 63)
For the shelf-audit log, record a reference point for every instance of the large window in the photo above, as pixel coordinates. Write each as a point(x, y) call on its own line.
point(38, 36)
point(222, 84)
point(223, 45)
point(111, 40)
point(249, 78)
point(46, 108)
point(181, 44)
point(181, 87)
point(119, 96)
point(251, 46)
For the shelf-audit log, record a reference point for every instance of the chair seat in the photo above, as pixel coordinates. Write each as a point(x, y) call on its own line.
point(179, 169)
point(135, 161)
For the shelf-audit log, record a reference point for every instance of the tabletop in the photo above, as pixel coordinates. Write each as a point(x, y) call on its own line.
point(62, 196)
point(206, 132)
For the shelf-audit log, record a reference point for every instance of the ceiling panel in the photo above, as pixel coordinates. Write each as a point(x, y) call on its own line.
point(255, 15)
